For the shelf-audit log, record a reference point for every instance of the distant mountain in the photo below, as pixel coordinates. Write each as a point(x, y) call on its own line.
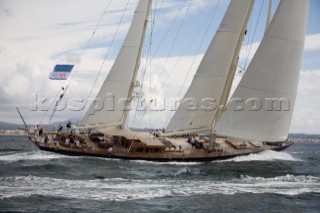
point(9, 126)
point(302, 135)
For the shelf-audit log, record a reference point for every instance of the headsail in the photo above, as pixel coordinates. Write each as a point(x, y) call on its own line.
point(271, 81)
point(108, 107)
point(210, 79)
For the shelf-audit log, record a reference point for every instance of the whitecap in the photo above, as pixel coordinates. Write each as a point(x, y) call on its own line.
point(268, 155)
point(31, 155)
point(119, 189)
point(187, 170)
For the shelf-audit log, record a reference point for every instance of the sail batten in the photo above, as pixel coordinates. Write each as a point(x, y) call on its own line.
point(270, 81)
point(110, 104)
point(211, 76)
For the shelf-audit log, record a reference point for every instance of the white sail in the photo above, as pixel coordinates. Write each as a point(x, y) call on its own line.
point(108, 109)
point(273, 73)
point(269, 17)
point(210, 78)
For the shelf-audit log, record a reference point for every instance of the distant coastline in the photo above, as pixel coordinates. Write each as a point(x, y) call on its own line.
point(305, 140)
point(297, 138)
point(16, 132)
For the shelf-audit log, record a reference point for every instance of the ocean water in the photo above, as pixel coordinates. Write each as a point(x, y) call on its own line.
point(36, 181)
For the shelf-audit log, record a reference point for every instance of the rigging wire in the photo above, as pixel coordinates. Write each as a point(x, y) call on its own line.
point(189, 45)
point(147, 58)
point(149, 53)
point(51, 104)
point(254, 33)
point(248, 40)
point(167, 58)
point(150, 43)
point(156, 16)
point(170, 52)
point(172, 46)
point(105, 58)
point(185, 50)
point(194, 58)
point(153, 17)
point(202, 41)
point(150, 79)
point(68, 82)
point(166, 33)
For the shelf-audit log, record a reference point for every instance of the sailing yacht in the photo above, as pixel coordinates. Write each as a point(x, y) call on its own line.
point(255, 118)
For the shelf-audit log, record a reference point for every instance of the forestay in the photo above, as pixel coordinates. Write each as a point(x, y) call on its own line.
point(273, 73)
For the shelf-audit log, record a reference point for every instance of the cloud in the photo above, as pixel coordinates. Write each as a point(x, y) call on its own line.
point(312, 42)
point(166, 83)
point(180, 8)
point(247, 52)
point(306, 117)
point(36, 35)
point(44, 33)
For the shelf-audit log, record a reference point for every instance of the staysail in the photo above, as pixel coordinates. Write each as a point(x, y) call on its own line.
point(109, 106)
point(261, 107)
point(210, 79)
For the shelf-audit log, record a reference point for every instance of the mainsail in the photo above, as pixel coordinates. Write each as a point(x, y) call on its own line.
point(210, 79)
point(261, 107)
point(109, 106)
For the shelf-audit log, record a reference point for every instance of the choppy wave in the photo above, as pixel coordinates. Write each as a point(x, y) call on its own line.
point(31, 155)
point(9, 150)
point(305, 152)
point(286, 178)
point(187, 170)
point(119, 189)
point(268, 155)
point(43, 155)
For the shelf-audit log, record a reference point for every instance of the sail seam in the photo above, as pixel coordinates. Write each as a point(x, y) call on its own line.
point(229, 31)
point(283, 39)
point(264, 90)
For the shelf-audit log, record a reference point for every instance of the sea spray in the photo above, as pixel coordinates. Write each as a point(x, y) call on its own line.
point(268, 155)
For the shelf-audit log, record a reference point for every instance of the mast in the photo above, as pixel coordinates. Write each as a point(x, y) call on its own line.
point(136, 68)
point(269, 15)
point(232, 70)
point(209, 81)
point(268, 89)
point(109, 107)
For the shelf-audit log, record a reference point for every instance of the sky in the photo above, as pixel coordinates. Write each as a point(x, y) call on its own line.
point(37, 34)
